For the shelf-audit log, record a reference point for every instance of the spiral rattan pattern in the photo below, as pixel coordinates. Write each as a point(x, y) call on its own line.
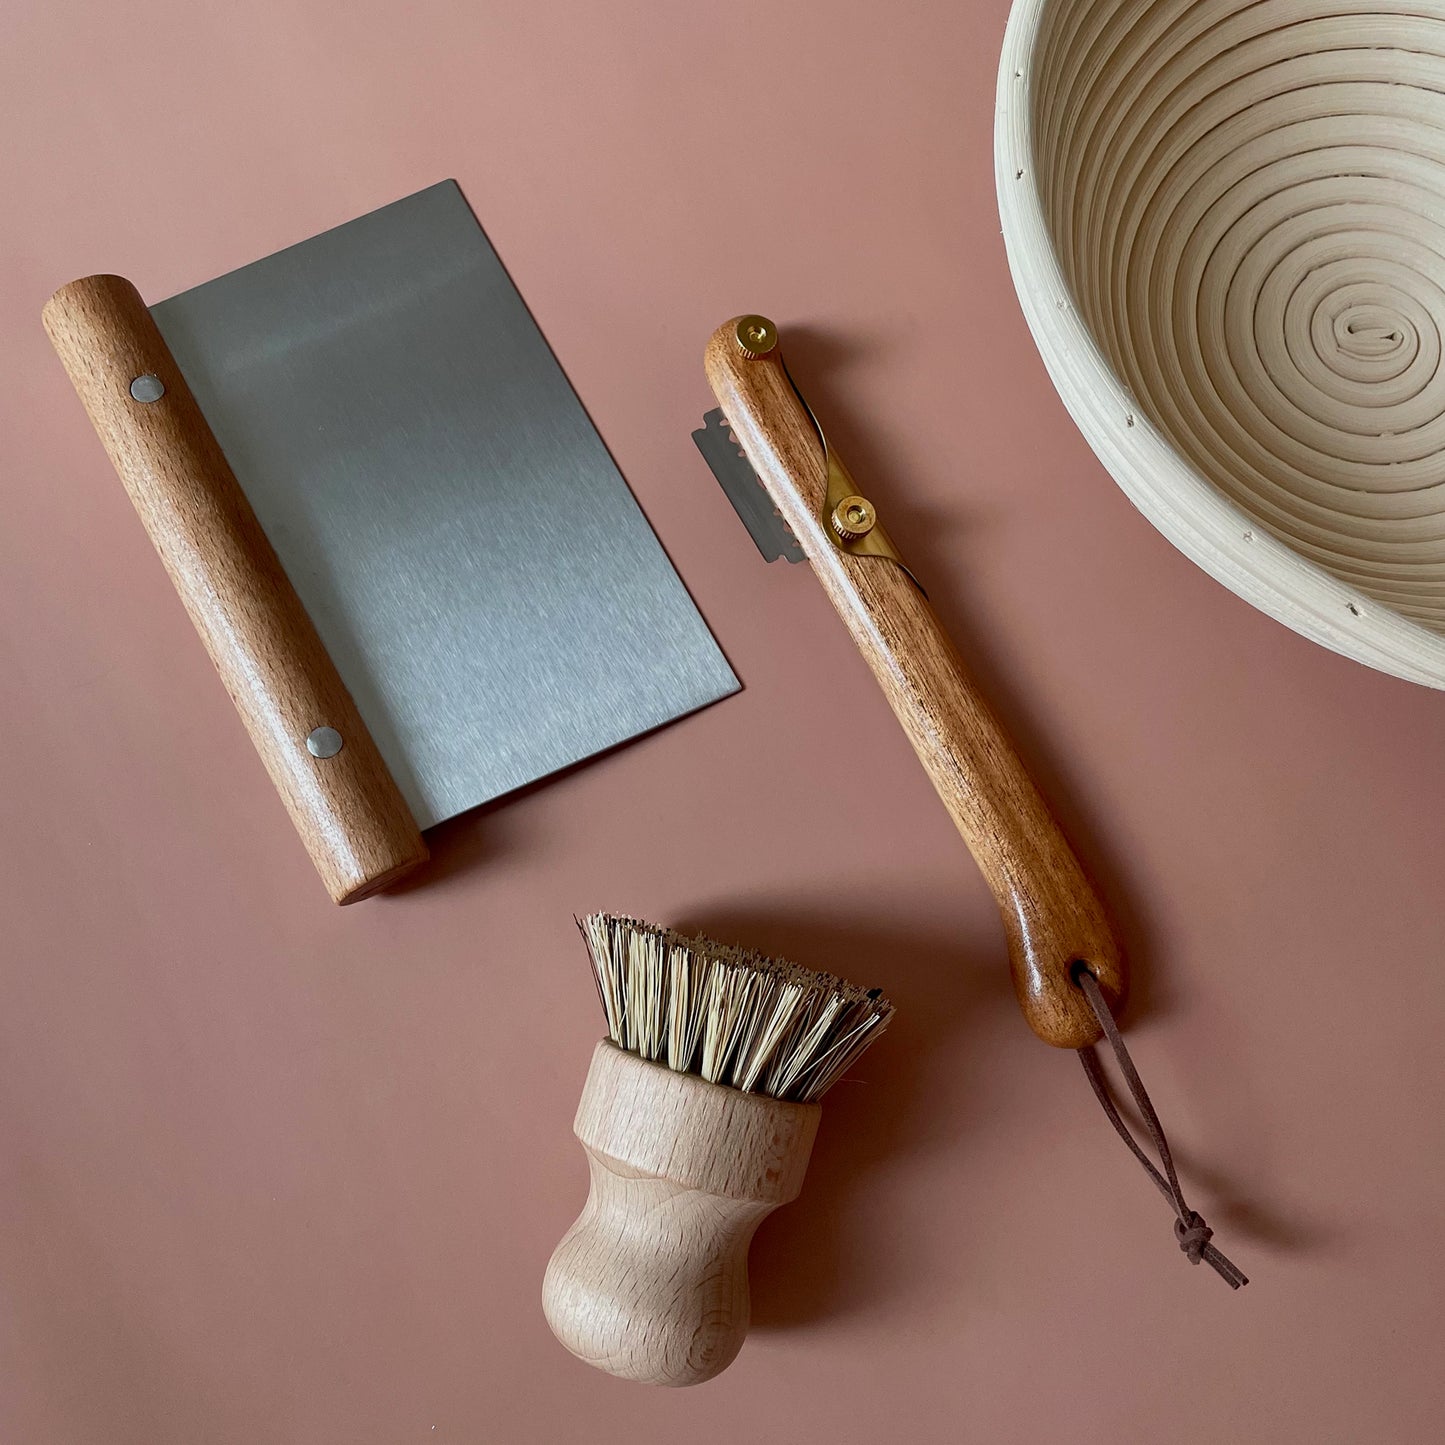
point(1227, 225)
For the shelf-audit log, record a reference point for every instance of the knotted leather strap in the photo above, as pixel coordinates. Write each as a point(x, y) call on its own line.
point(1193, 1234)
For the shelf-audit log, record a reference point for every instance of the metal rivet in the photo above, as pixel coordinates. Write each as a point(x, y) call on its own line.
point(323, 742)
point(147, 388)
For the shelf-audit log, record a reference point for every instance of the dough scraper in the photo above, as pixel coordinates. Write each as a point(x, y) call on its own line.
point(408, 552)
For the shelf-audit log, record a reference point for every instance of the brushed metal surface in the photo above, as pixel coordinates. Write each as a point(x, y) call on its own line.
point(471, 556)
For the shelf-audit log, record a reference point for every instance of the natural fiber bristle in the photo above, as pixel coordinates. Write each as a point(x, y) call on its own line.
point(734, 1017)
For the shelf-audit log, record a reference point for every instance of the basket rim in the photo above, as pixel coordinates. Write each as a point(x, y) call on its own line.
point(1174, 495)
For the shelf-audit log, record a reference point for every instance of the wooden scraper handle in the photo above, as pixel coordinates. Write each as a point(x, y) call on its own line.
point(351, 817)
point(1052, 915)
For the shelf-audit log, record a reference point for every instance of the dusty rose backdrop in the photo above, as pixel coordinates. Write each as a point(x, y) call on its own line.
point(275, 1172)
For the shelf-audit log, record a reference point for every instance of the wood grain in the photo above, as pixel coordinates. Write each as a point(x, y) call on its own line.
point(1224, 223)
point(353, 821)
point(651, 1282)
point(1052, 915)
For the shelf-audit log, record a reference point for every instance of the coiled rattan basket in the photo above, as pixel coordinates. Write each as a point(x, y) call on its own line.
point(1226, 224)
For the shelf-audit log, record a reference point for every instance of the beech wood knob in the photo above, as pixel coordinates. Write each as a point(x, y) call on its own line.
point(651, 1282)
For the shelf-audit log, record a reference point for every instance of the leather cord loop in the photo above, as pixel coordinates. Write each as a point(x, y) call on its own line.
point(1193, 1234)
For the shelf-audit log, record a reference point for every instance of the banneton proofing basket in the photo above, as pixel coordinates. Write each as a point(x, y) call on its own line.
point(1226, 225)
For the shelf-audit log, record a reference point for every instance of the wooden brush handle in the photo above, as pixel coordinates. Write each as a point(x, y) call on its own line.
point(651, 1282)
point(1052, 915)
point(354, 823)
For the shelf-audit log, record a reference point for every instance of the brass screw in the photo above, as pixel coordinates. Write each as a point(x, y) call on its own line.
point(854, 517)
point(756, 336)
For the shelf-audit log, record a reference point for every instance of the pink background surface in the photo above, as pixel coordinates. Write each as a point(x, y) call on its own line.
point(273, 1171)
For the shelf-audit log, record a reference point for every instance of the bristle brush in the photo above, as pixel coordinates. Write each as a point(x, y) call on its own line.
point(698, 1117)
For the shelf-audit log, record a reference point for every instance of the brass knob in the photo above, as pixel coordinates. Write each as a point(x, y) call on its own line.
point(854, 517)
point(756, 336)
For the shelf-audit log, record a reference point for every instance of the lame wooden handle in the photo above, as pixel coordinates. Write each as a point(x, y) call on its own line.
point(1052, 915)
point(354, 823)
point(651, 1282)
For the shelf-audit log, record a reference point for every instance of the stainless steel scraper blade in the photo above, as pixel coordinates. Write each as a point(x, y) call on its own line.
point(472, 558)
